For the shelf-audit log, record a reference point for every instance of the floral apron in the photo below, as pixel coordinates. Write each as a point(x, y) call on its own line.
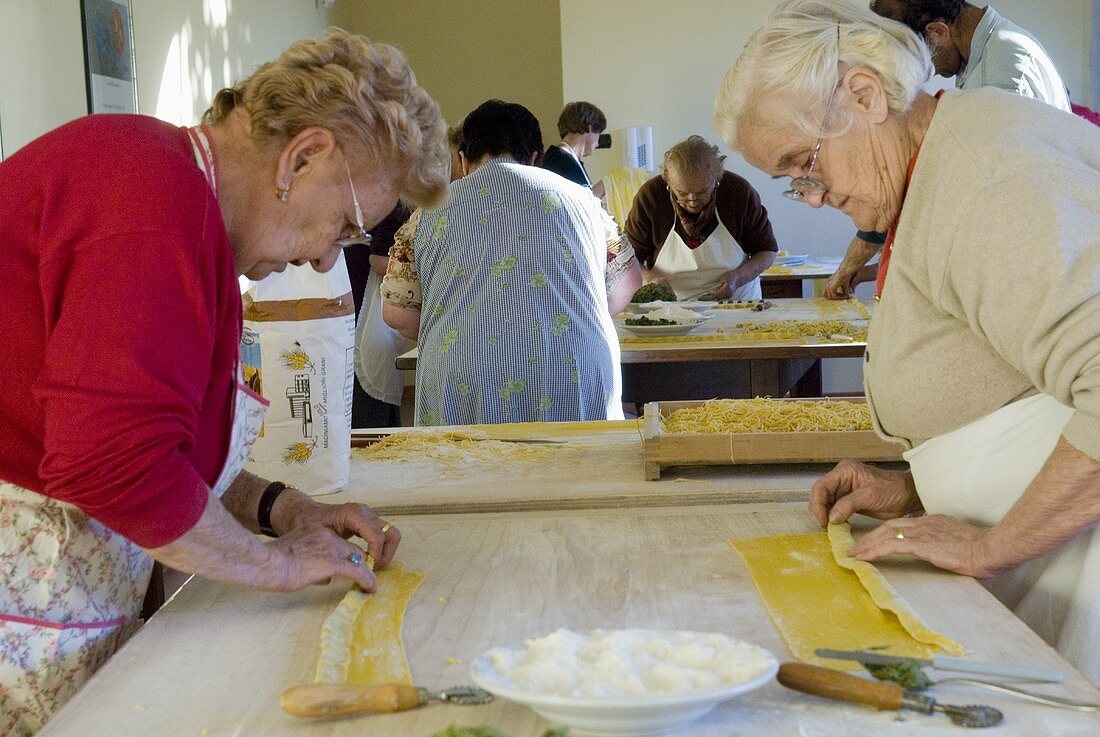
point(691, 272)
point(70, 588)
point(976, 474)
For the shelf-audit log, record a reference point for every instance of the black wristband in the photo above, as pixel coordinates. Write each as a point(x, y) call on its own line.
point(267, 501)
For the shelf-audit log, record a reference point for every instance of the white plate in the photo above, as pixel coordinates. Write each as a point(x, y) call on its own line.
point(792, 260)
point(634, 716)
point(661, 330)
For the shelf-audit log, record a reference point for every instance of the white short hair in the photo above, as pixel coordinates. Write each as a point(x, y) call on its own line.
point(800, 53)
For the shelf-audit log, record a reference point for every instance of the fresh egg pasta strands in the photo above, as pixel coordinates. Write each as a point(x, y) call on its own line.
point(808, 328)
point(768, 415)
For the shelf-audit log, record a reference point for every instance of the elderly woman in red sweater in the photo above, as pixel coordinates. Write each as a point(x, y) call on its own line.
point(124, 421)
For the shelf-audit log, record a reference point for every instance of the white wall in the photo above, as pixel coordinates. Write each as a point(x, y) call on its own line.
point(659, 63)
point(185, 51)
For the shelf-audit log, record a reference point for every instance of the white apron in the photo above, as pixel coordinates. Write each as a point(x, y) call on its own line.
point(976, 474)
point(71, 589)
point(691, 272)
point(377, 347)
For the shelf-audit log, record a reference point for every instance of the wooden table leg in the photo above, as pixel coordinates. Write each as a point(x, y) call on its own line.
point(782, 288)
point(154, 595)
point(810, 383)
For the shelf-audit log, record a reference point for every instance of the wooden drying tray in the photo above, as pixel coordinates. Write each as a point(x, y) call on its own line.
point(662, 450)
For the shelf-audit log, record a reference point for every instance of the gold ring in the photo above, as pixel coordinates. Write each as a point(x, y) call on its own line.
point(386, 527)
point(900, 535)
point(840, 290)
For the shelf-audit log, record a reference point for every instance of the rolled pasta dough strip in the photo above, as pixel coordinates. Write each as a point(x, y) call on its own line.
point(883, 594)
point(361, 640)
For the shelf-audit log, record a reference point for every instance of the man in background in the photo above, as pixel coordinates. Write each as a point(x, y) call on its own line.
point(979, 48)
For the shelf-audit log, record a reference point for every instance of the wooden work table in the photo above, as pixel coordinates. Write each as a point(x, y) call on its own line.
point(587, 543)
point(781, 280)
point(214, 660)
point(684, 368)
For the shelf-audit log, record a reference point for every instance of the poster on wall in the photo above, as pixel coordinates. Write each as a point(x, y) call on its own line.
point(109, 56)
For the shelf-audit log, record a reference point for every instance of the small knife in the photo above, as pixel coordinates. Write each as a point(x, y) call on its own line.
point(944, 662)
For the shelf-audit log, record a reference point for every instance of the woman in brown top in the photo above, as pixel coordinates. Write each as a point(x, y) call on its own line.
point(701, 229)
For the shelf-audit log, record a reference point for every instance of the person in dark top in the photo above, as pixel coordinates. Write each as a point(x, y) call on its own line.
point(701, 229)
point(579, 125)
point(376, 395)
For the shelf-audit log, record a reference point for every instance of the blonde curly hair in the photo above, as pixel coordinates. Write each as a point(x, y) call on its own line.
point(365, 93)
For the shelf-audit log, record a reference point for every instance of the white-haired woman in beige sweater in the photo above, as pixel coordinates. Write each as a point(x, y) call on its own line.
point(984, 352)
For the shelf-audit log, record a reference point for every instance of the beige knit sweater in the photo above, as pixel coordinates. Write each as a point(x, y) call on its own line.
point(993, 290)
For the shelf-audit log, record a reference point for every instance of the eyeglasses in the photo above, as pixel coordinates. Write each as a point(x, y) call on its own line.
point(362, 238)
point(807, 185)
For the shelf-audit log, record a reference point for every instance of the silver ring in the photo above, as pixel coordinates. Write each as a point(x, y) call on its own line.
point(356, 559)
point(900, 535)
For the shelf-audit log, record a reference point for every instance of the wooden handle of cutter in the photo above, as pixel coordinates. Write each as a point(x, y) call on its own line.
point(832, 684)
point(334, 699)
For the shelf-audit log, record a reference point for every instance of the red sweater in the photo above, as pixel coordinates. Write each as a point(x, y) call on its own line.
point(121, 325)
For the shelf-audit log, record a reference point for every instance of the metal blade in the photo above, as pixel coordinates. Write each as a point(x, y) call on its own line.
point(862, 656)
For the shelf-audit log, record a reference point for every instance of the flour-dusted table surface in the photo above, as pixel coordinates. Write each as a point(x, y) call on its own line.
point(214, 660)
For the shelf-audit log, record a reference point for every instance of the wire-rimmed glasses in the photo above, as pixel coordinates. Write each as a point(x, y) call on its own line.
point(807, 185)
point(362, 238)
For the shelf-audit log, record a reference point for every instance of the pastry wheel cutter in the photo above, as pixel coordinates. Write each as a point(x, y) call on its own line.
point(833, 684)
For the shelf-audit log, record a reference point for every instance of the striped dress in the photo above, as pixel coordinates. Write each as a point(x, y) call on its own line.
point(512, 276)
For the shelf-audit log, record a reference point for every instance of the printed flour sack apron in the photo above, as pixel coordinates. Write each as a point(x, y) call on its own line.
point(72, 588)
point(975, 474)
point(692, 271)
point(377, 347)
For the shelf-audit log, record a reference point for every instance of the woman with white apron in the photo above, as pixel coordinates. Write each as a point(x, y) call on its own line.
point(125, 418)
point(700, 229)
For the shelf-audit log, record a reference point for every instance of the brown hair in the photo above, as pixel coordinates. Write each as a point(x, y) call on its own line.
point(581, 117)
point(365, 93)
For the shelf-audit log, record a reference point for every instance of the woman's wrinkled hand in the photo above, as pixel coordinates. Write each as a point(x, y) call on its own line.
point(943, 541)
point(307, 556)
point(345, 520)
point(853, 487)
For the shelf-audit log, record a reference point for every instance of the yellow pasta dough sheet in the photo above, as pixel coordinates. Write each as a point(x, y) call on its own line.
point(831, 307)
point(819, 597)
point(361, 641)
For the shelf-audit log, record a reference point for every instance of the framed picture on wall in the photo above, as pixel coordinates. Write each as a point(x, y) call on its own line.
point(109, 56)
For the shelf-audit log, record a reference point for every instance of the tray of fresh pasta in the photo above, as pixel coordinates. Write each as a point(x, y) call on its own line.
point(718, 432)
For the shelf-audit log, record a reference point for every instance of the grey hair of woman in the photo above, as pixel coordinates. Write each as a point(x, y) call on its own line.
point(801, 54)
point(693, 154)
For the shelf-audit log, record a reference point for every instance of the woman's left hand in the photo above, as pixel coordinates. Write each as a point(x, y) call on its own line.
point(943, 541)
point(346, 520)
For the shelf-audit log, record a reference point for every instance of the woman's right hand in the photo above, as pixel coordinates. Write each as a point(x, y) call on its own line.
point(309, 556)
point(220, 549)
point(853, 487)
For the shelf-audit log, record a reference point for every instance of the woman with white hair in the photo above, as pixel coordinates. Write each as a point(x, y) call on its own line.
point(984, 352)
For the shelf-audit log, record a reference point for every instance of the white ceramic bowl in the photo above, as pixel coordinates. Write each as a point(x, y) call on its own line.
point(633, 716)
